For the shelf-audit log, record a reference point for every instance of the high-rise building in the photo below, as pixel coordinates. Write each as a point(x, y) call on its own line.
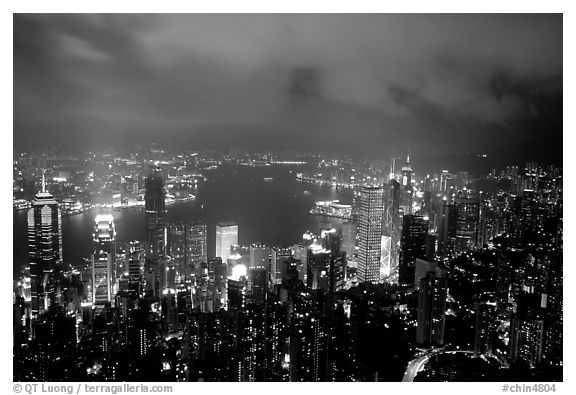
point(277, 257)
point(412, 246)
point(103, 258)
point(407, 190)
point(485, 328)
point(44, 248)
point(527, 331)
point(446, 181)
point(155, 216)
point(226, 237)
point(447, 230)
point(187, 245)
point(432, 308)
point(259, 256)
point(392, 224)
point(468, 223)
point(370, 212)
point(348, 234)
point(330, 239)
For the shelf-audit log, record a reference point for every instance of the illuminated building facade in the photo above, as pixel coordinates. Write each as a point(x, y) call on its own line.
point(188, 245)
point(226, 237)
point(485, 328)
point(370, 212)
point(432, 308)
point(392, 225)
point(103, 259)
point(468, 223)
point(407, 190)
point(44, 248)
point(277, 257)
point(527, 331)
point(259, 256)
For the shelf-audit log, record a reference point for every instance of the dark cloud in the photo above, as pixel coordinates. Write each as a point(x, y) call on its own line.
point(369, 84)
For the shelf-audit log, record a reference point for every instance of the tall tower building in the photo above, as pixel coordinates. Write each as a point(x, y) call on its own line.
point(187, 245)
point(103, 257)
point(226, 237)
point(485, 328)
point(407, 190)
point(277, 257)
point(412, 246)
point(392, 226)
point(259, 255)
point(155, 216)
point(468, 223)
point(527, 331)
point(432, 308)
point(44, 248)
point(371, 211)
point(348, 238)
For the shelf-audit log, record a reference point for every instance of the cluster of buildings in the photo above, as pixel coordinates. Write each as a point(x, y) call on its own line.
point(417, 255)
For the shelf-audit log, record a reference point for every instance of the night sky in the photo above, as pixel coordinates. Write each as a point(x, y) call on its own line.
point(376, 85)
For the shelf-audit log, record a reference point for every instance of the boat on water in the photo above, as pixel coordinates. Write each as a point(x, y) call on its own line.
point(268, 179)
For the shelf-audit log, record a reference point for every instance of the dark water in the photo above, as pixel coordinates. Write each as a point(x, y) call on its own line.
point(274, 213)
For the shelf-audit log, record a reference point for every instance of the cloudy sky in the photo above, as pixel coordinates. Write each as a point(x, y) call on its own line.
point(376, 84)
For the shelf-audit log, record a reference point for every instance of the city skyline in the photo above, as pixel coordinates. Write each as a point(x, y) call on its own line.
point(288, 198)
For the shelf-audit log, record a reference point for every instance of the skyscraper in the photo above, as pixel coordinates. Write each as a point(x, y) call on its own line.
point(187, 245)
point(155, 216)
point(412, 246)
point(44, 247)
point(226, 237)
point(407, 191)
point(103, 257)
point(527, 331)
point(485, 328)
point(371, 211)
point(432, 308)
point(259, 256)
point(348, 238)
point(392, 225)
point(468, 223)
point(277, 257)
point(447, 230)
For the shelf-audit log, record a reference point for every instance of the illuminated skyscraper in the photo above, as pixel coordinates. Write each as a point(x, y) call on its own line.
point(432, 308)
point(392, 227)
point(44, 248)
point(103, 257)
point(187, 245)
point(527, 331)
point(371, 211)
point(330, 239)
point(468, 223)
point(407, 191)
point(412, 246)
point(277, 257)
point(226, 237)
point(485, 328)
point(155, 213)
